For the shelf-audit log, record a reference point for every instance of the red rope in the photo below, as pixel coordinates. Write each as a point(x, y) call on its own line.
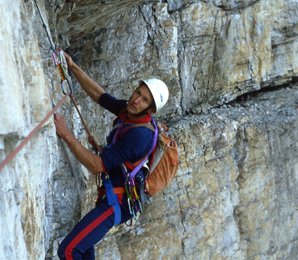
point(90, 137)
point(14, 152)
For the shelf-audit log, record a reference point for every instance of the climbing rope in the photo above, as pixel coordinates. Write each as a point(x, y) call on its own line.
point(61, 65)
point(14, 152)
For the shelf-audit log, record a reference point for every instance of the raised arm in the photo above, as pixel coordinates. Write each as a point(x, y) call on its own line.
point(91, 87)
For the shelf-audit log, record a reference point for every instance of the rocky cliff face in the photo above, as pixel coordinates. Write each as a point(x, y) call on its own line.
point(232, 69)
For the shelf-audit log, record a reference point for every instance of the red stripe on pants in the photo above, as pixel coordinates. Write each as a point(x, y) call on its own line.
point(85, 232)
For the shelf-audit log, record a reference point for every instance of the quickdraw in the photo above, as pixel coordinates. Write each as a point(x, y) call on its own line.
point(57, 56)
point(61, 65)
point(133, 189)
point(133, 199)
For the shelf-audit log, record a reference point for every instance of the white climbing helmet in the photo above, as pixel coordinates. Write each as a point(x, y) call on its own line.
point(159, 91)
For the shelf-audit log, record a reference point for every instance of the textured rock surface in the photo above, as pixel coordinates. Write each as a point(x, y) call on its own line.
point(232, 69)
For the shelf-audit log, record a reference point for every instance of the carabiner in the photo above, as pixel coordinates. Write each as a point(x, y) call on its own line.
point(140, 207)
point(63, 82)
point(134, 189)
point(61, 65)
point(130, 207)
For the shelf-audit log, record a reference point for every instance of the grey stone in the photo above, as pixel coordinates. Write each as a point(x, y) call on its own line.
point(231, 68)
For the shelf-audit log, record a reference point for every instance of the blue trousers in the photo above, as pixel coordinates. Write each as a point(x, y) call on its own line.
point(79, 243)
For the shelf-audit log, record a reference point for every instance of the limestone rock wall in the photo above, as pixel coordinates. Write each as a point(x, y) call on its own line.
point(231, 67)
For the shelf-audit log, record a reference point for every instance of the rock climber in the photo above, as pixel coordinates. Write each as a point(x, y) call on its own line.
point(113, 208)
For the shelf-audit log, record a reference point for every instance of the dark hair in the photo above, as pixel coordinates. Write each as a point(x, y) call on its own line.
point(152, 105)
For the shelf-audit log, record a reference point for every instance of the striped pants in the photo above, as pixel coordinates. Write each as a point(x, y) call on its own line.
point(79, 243)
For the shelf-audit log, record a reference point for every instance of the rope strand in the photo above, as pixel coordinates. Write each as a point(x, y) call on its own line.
point(90, 137)
point(60, 62)
point(14, 152)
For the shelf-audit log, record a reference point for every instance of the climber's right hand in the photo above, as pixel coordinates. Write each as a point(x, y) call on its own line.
point(70, 62)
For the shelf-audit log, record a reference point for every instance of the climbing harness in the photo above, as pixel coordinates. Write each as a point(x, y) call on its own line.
point(133, 190)
point(112, 198)
point(151, 174)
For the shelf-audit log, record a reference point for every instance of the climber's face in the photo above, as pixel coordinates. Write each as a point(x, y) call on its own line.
point(140, 101)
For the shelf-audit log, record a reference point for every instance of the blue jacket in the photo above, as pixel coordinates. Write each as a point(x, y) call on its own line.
point(132, 146)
